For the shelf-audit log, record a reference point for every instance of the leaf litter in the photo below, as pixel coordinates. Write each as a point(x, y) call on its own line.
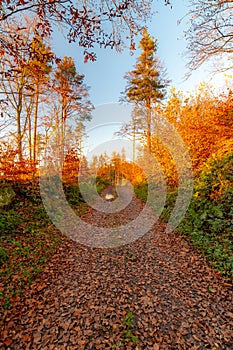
point(171, 297)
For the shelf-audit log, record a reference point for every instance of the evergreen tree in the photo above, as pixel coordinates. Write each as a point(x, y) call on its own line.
point(146, 86)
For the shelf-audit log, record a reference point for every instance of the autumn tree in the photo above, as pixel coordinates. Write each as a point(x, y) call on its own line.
point(173, 106)
point(71, 166)
point(83, 22)
point(203, 120)
point(8, 154)
point(210, 33)
point(133, 130)
point(38, 71)
point(145, 83)
point(73, 99)
point(23, 88)
point(14, 86)
point(116, 168)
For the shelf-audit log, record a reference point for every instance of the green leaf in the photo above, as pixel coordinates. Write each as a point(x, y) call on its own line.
point(212, 290)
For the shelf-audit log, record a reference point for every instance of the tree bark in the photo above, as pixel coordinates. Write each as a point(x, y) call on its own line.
point(148, 118)
point(37, 92)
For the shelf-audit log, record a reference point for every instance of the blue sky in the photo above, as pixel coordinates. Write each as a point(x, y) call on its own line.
point(105, 77)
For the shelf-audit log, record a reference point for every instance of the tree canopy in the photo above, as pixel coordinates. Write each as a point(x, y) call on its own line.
point(210, 32)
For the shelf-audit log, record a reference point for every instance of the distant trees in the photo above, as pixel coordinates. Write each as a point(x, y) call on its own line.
point(116, 168)
point(146, 83)
point(210, 33)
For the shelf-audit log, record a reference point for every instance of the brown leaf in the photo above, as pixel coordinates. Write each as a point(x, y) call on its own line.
point(37, 337)
point(8, 341)
point(26, 338)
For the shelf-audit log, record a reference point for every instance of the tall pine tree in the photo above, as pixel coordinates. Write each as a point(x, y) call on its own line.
point(145, 84)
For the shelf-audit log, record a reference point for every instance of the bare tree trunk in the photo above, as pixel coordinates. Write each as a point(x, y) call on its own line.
point(148, 118)
point(29, 126)
point(30, 137)
point(63, 127)
point(19, 135)
point(134, 138)
point(35, 124)
point(18, 123)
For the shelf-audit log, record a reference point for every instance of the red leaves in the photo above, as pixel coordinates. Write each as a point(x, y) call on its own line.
point(89, 57)
point(22, 2)
point(84, 25)
point(8, 341)
point(86, 58)
point(132, 47)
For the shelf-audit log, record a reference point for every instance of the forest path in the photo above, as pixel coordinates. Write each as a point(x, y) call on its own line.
point(154, 293)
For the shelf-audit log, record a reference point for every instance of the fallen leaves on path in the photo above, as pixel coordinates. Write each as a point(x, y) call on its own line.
point(84, 295)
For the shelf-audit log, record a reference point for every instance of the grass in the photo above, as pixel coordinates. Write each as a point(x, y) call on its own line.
point(28, 238)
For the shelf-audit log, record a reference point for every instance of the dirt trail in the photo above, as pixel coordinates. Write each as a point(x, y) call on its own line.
point(154, 293)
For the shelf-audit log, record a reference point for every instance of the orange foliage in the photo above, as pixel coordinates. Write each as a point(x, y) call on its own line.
point(70, 169)
point(166, 162)
point(203, 121)
point(11, 168)
point(120, 171)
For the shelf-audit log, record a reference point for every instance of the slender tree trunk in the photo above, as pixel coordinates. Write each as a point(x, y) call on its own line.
point(29, 122)
point(148, 118)
point(30, 138)
point(18, 122)
point(134, 139)
point(19, 135)
point(80, 146)
point(46, 145)
point(37, 92)
point(63, 127)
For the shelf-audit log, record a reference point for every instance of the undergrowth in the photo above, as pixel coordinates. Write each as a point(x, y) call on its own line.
point(28, 238)
point(208, 222)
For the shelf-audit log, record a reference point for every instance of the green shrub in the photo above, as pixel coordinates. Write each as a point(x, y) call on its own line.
point(6, 194)
point(209, 219)
point(10, 220)
point(141, 191)
point(169, 205)
point(73, 194)
point(208, 222)
point(4, 255)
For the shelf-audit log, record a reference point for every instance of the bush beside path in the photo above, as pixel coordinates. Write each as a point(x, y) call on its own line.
point(154, 293)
